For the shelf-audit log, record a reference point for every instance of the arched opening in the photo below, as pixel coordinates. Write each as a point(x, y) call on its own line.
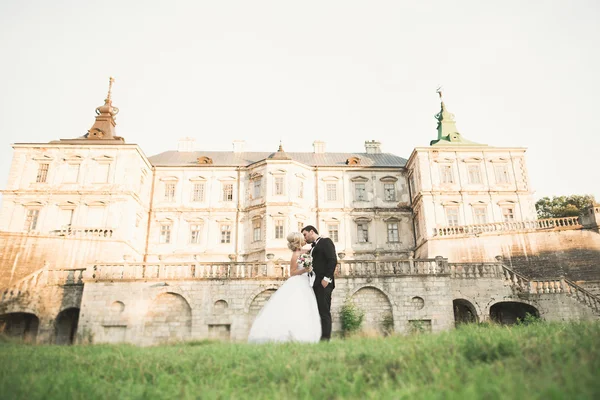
point(169, 319)
point(259, 302)
point(378, 317)
point(464, 312)
point(65, 326)
point(20, 325)
point(508, 312)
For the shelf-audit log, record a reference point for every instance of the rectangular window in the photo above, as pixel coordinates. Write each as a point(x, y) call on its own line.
point(65, 218)
point(72, 174)
point(256, 230)
point(42, 174)
point(279, 189)
point(389, 191)
point(501, 172)
point(31, 219)
point(169, 192)
point(165, 234)
point(508, 213)
point(225, 233)
point(257, 188)
point(102, 170)
point(334, 232)
point(228, 192)
point(198, 192)
point(331, 191)
point(474, 174)
point(452, 216)
point(360, 192)
point(195, 230)
point(362, 232)
point(279, 229)
point(392, 232)
point(300, 189)
point(480, 215)
point(446, 174)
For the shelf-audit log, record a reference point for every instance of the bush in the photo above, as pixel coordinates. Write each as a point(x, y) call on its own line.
point(388, 324)
point(352, 318)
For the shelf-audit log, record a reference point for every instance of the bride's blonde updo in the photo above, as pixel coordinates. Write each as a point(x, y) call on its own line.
point(295, 241)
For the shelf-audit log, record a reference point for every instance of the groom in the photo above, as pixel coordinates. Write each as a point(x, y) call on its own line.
point(324, 260)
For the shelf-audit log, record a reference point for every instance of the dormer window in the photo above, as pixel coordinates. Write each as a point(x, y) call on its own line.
point(353, 161)
point(205, 160)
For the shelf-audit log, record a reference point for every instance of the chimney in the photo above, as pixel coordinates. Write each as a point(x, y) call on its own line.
point(319, 147)
point(186, 144)
point(238, 146)
point(372, 147)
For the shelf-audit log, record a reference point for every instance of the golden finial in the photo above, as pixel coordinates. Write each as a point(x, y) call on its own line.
point(110, 83)
point(439, 91)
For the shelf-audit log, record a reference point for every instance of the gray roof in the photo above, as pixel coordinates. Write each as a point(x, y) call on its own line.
point(228, 158)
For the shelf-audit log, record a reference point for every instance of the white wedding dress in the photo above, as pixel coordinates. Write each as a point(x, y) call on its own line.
point(290, 315)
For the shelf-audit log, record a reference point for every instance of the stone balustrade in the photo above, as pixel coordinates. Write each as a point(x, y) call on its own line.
point(510, 226)
point(43, 277)
point(83, 232)
point(475, 270)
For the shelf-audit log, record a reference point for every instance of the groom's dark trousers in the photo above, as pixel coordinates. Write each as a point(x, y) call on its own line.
point(324, 263)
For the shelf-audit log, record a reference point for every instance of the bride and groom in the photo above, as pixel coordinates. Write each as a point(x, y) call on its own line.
point(300, 310)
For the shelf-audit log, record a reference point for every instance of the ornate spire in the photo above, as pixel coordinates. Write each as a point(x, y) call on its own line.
point(280, 155)
point(447, 132)
point(104, 127)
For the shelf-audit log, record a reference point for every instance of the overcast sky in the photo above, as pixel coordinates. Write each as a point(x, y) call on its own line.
point(515, 73)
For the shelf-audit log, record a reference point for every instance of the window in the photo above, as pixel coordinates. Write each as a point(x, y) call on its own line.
point(300, 189)
point(228, 192)
point(508, 214)
point(474, 174)
point(165, 233)
point(331, 191)
point(279, 189)
point(257, 188)
point(480, 215)
point(501, 172)
point(360, 192)
point(256, 230)
point(446, 174)
point(452, 216)
point(413, 186)
point(195, 230)
point(225, 233)
point(31, 219)
point(334, 232)
point(65, 218)
point(362, 232)
point(300, 226)
point(279, 229)
point(198, 192)
point(102, 170)
point(72, 174)
point(42, 174)
point(169, 192)
point(392, 232)
point(389, 191)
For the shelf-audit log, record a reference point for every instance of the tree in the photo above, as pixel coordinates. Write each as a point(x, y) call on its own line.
point(563, 206)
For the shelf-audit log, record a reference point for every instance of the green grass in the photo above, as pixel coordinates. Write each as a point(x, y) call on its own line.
point(536, 361)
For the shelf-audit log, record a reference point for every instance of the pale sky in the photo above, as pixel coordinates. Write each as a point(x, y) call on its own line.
point(515, 74)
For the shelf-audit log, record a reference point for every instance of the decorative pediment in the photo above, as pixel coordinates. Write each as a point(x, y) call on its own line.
point(171, 179)
point(73, 159)
point(392, 219)
point(66, 205)
point(225, 220)
point(331, 220)
point(499, 160)
point(444, 160)
point(389, 179)
point(34, 204)
point(205, 160)
point(103, 159)
point(228, 178)
point(359, 179)
point(255, 176)
point(478, 204)
point(96, 203)
point(450, 203)
point(353, 161)
point(300, 217)
point(194, 220)
point(278, 172)
point(330, 178)
point(472, 160)
point(197, 179)
point(300, 175)
point(362, 219)
point(504, 203)
point(42, 158)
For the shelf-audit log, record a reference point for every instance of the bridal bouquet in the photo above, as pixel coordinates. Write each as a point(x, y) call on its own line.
point(305, 261)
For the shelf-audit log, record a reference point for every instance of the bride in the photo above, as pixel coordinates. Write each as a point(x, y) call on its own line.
point(291, 314)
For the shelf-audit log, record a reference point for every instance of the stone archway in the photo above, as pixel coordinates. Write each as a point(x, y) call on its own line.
point(258, 303)
point(508, 312)
point(65, 326)
point(464, 312)
point(20, 325)
point(378, 316)
point(169, 319)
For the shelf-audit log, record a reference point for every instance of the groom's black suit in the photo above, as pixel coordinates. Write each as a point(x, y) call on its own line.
point(324, 261)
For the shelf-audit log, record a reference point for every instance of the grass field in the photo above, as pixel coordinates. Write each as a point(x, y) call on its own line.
point(535, 361)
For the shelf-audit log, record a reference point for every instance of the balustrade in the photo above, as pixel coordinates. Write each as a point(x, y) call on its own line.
point(43, 277)
point(83, 232)
point(510, 226)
